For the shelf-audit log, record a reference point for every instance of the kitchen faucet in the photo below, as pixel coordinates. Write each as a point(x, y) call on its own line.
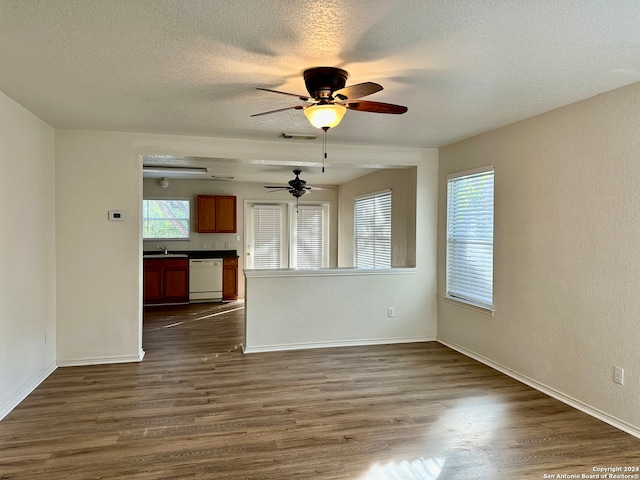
point(163, 248)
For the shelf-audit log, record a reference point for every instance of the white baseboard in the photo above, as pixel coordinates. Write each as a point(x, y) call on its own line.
point(21, 394)
point(79, 362)
point(346, 343)
point(552, 392)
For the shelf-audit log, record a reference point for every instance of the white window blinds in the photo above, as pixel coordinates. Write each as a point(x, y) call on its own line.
point(372, 230)
point(281, 236)
point(470, 236)
point(267, 241)
point(309, 251)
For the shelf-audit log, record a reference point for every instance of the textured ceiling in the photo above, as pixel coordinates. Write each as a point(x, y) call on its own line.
point(191, 66)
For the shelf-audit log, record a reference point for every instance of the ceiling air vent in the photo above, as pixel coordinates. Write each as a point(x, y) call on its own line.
point(298, 136)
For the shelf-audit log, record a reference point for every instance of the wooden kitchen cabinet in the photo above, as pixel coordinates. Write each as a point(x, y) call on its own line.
point(152, 281)
point(166, 280)
point(230, 279)
point(216, 214)
point(175, 280)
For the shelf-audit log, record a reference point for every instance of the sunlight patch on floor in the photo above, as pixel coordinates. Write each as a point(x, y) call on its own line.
point(419, 469)
point(217, 313)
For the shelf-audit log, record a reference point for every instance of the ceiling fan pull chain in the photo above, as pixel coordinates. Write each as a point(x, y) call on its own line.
point(324, 147)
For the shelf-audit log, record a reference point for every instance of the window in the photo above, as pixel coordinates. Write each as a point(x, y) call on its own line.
point(310, 245)
point(372, 230)
point(165, 219)
point(268, 236)
point(470, 237)
point(281, 236)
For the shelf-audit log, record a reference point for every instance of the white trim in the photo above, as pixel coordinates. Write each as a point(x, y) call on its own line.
point(488, 310)
point(471, 172)
point(452, 179)
point(79, 362)
point(337, 272)
point(24, 392)
point(346, 343)
point(552, 392)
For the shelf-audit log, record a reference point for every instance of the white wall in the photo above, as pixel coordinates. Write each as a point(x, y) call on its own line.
point(27, 253)
point(567, 253)
point(335, 307)
point(99, 313)
point(99, 262)
point(190, 189)
point(343, 307)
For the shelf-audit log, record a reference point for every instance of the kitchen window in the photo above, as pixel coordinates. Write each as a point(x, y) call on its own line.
point(165, 219)
point(470, 237)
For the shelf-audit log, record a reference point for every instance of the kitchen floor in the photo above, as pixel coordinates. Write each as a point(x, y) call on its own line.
point(195, 329)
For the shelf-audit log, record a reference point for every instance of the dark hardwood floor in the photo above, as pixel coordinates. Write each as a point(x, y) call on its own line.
point(196, 407)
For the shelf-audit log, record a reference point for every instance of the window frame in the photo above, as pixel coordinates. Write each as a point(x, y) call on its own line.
point(293, 232)
point(165, 239)
point(466, 298)
point(283, 230)
point(372, 195)
point(288, 253)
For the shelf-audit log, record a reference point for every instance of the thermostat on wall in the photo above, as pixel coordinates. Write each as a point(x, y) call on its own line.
point(116, 215)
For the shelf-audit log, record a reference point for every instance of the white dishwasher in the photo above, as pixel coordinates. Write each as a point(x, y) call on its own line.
point(205, 280)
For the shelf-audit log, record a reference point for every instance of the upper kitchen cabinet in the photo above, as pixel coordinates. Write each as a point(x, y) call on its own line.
point(216, 214)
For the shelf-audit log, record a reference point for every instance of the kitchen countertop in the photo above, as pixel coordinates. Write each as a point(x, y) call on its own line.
point(196, 253)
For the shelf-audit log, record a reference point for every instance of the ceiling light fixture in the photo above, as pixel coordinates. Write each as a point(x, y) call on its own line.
point(325, 116)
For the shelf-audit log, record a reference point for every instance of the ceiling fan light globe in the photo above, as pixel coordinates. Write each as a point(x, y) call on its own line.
point(325, 116)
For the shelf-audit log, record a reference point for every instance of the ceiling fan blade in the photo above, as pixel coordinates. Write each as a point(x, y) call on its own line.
point(276, 186)
point(357, 91)
point(376, 107)
point(297, 107)
point(304, 98)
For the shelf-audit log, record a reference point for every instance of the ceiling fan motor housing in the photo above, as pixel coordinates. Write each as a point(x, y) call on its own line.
point(321, 82)
point(297, 185)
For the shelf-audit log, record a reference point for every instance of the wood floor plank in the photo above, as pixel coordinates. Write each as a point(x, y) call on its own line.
point(197, 408)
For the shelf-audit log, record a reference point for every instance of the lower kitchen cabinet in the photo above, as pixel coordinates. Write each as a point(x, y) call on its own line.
point(230, 279)
point(166, 280)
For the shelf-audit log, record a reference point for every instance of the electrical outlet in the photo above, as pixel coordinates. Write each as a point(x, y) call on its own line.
point(226, 244)
point(391, 312)
point(618, 375)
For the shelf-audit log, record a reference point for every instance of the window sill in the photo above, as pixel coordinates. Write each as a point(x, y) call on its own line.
point(319, 272)
point(471, 306)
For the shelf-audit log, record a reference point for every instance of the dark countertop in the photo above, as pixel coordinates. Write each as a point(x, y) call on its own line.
point(197, 253)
